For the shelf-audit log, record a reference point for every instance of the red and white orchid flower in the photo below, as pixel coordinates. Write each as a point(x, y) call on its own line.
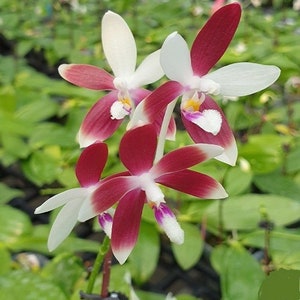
point(125, 86)
point(189, 78)
point(88, 170)
point(141, 185)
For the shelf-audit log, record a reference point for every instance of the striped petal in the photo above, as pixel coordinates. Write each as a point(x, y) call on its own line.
point(224, 138)
point(126, 224)
point(175, 59)
point(214, 38)
point(118, 45)
point(86, 76)
point(98, 124)
point(106, 195)
point(241, 79)
point(193, 183)
point(184, 158)
point(148, 71)
point(61, 199)
point(137, 149)
point(64, 223)
point(91, 163)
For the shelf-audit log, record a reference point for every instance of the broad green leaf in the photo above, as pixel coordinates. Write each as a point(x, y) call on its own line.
point(70, 268)
point(277, 183)
point(13, 224)
point(5, 260)
point(237, 181)
point(25, 285)
point(7, 193)
point(286, 260)
point(144, 257)
point(189, 253)
point(285, 241)
point(15, 146)
point(263, 152)
point(241, 275)
point(41, 168)
point(245, 212)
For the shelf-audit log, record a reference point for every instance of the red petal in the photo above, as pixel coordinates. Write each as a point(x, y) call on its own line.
point(193, 183)
point(98, 124)
point(110, 191)
point(224, 138)
point(91, 163)
point(214, 38)
point(158, 100)
point(87, 76)
point(185, 157)
point(126, 224)
point(137, 149)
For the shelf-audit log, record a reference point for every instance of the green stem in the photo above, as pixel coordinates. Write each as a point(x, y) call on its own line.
point(97, 264)
point(163, 131)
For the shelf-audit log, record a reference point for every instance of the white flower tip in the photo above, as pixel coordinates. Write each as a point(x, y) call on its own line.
point(37, 211)
point(218, 193)
point(62, 69)
point(122, 254)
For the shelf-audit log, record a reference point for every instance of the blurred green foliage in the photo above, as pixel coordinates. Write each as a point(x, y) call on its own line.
point(40, 115)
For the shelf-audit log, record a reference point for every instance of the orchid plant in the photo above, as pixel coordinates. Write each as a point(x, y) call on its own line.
point(118, 200)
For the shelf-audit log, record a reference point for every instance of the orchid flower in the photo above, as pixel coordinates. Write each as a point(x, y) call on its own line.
point(141, 185)
point(125, 86)
point(88, 170)
point(189, 78)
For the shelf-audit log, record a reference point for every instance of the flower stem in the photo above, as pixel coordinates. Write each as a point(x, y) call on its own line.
point(106, 273)
point(97, 264)
point(163, 130)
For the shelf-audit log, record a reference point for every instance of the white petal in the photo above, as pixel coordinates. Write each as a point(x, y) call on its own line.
point(241, 79)
point(86, 211)
point(175, 59)
point(61, 199)
point(118, 45)
point(209, 120)
point(229, 155)
point(148, 71)
point(64, 223)
point(173, 230)
point(138, 117)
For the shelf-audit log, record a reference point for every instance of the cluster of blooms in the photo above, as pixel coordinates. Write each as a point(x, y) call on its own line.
point(118, 200)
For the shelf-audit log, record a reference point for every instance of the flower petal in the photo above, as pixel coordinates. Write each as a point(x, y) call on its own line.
point(61, 199)
point(64, 223)
point(106, 195)
point(118, 45)
point(224, 138)
point(241, 79)
point(126, 224)
point(86, 76)
point(91, 163)
point(175, 59)
point(167, 221)
point(148, 71)
point(209, 120)
point(137, 149)
point(185, 157)
point(152, 108)
point(98, 124)
point(214, 38)
point(193, 183)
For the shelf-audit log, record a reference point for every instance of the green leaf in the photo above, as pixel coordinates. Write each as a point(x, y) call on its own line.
point(7, 193)
point(70, 270)
point(245, 212)
point(264, 152)
point(237, 181)
point(193, 245)
point(25, 285)
point(5, 260)
point(13, 224)
point(144, 257)
point(241, 275)
point(286, 241)
point(279, 184)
